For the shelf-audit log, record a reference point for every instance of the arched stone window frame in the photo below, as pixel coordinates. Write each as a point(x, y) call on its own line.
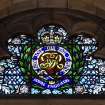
point(78, 23)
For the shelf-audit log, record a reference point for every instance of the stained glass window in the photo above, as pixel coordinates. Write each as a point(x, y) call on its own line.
point(53, 62)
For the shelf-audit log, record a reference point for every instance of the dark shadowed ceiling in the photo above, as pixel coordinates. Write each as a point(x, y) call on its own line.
point(8, 7)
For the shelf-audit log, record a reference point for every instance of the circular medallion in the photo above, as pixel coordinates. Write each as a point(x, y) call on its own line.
point(52, 61)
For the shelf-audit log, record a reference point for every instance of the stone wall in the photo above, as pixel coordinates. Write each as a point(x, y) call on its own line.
point(8, 7)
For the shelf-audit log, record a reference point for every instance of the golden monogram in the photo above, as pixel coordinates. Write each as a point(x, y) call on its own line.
point(51, 61)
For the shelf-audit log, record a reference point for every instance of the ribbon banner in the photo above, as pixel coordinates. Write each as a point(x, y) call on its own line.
point(54, 86)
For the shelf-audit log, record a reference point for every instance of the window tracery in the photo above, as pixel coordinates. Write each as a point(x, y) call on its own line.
point(52, 64)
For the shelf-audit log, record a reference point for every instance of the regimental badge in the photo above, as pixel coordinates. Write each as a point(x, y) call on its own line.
point(53, 62)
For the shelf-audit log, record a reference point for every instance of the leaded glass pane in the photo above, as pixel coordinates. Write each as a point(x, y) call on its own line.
point(52, 63)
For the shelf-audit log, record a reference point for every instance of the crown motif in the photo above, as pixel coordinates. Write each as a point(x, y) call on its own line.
point(51, 39)
point(52, 34)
